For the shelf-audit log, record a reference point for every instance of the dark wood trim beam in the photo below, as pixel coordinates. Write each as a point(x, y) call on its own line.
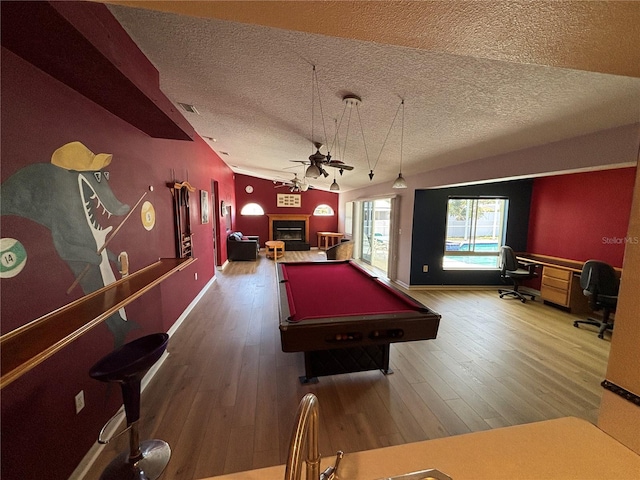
point(83, 46)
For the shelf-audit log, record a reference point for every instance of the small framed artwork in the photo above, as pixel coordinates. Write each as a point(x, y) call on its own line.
point(289, 200)
point(204, 206)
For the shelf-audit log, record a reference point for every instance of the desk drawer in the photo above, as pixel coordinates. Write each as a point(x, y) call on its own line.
point(556, 273)
point(555, 295)
point(554, 282)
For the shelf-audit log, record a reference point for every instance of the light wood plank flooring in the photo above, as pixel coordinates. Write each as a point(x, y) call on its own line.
point(226, 396)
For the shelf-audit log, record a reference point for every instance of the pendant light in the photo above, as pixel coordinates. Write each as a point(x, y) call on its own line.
point(334, 186)
point(400, 181)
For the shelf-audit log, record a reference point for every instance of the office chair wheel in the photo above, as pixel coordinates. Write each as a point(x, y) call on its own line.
point(601, 335)
point(575, 324)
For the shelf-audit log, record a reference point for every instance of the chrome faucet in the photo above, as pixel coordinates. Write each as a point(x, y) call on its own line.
point(305, 432)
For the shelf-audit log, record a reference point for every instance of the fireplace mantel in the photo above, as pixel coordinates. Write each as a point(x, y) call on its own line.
point(285, 217)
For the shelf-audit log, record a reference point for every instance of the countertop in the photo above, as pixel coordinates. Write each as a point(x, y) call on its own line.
point(565, 448)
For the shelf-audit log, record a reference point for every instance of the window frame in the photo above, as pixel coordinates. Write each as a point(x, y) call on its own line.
point(322, 205)
point(473, 238)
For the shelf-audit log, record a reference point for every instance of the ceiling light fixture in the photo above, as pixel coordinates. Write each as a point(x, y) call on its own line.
point(400, 182)
point(312, 172)
point(334, 186)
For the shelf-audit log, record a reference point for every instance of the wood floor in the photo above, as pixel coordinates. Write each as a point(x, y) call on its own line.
point(225, 398)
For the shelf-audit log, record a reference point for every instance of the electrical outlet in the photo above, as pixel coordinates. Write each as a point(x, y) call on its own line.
point(195, 276)
point(79, 401)
point(425, 268)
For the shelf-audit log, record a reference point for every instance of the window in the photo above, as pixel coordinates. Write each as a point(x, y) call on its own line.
point(475, 232)
point(252, 209)
point(323, 211)
point(348, 219)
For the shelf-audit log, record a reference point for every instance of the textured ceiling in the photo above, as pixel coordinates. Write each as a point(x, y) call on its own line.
point(470, 91)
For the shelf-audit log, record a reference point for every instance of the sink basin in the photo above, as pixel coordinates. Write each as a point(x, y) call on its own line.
point(431, 474)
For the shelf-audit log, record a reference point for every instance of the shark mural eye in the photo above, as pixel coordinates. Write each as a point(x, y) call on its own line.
point(98, 176)
point(106, 175)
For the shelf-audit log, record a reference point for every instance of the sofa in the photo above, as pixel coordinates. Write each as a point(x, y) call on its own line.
point(242, 247)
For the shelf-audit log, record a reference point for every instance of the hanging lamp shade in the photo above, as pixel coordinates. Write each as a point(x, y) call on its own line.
point(334, 186)
point(400, 182)
point(312, 172)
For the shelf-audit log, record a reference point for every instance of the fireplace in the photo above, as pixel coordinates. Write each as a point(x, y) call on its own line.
point(293, 230)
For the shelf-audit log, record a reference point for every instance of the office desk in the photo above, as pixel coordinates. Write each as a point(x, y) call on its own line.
point(560, 284)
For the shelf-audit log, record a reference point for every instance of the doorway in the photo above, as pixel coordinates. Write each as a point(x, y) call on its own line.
point(217, 261)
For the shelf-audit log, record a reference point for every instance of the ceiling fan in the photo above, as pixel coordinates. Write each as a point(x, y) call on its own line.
point(294, 185)
point(317, 161)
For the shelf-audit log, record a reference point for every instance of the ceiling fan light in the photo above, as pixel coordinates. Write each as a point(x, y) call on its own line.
point(334, 186)
point(303, 187)
point(312, 172)
point(400, 182)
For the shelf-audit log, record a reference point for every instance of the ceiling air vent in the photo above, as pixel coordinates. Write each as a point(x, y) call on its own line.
point(189, 108)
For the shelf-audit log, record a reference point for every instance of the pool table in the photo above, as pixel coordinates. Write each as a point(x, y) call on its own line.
point(344, 319)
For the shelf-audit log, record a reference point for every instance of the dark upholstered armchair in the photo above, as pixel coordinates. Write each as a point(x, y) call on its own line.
point(242, 247)
point(340, 251)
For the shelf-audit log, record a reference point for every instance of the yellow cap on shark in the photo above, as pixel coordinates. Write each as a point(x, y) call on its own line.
point(75, 156)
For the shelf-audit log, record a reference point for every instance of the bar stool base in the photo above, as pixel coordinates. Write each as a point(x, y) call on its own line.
point(155, 457)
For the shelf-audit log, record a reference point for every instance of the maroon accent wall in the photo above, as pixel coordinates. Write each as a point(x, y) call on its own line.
point(265, 194)
point(42, 437)
point(582, 216)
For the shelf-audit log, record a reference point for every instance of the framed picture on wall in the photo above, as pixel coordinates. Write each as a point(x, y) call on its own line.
point(289, 200)
point(204, 206)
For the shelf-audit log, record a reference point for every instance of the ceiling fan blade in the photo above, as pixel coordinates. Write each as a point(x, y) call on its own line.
point(338, 164)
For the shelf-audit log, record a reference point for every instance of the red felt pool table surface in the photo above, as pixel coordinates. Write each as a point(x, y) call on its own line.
point(323, 290)
point(327, 305)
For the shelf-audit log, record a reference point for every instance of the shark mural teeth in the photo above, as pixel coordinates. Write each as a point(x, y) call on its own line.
point(66, 197)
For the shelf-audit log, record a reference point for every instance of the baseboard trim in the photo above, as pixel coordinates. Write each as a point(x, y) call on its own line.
point(96, 449)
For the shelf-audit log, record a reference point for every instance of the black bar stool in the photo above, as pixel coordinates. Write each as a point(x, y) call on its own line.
point(127, 366)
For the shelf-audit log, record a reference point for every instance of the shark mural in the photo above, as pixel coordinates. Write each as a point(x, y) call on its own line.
point(70, 196)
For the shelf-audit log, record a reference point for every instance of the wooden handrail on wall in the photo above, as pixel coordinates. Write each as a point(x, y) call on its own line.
point(27, 346)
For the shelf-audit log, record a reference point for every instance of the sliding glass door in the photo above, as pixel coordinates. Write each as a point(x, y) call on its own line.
point(376, 228)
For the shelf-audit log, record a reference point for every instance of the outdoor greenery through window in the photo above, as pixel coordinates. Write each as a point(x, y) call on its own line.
point(475, 232)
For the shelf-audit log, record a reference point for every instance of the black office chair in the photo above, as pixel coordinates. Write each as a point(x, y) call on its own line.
point(515, 272)
point(600, 284)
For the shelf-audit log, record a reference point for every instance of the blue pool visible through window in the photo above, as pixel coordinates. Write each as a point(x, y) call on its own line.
point(475, 232)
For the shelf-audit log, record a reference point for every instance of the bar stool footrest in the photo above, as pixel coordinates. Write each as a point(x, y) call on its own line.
point(155, 457)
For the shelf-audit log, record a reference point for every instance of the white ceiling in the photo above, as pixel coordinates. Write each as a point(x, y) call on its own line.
point(252, 87)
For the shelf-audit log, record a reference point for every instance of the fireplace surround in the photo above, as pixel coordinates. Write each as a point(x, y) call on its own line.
point(293, 230)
